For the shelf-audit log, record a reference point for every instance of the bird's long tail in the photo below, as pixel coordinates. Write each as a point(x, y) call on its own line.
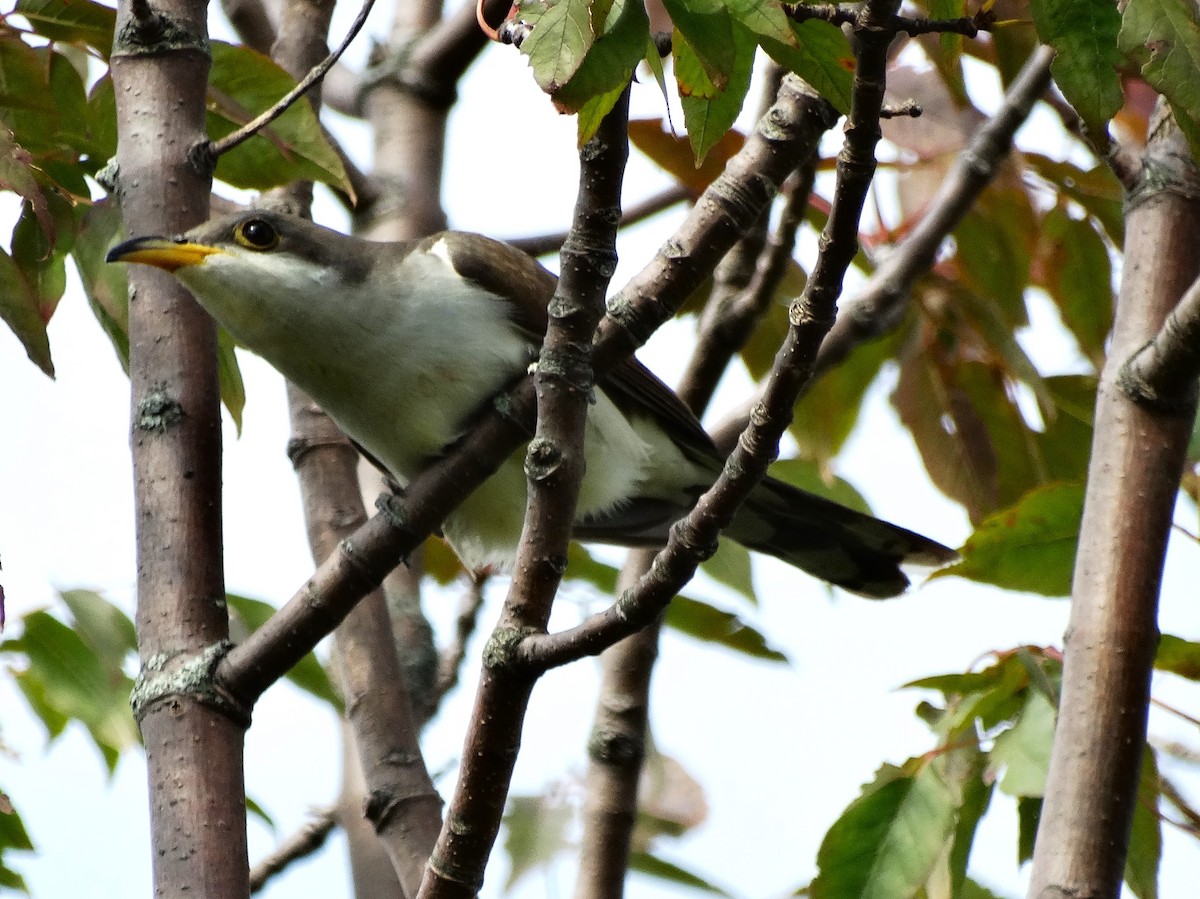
point(846, 548)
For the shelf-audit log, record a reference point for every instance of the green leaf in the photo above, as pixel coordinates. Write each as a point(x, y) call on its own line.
point(763, 18)
point(691, 77)
point(256, 809)
point(307, 674)
point(709, 119)
point(661, 869)
point(12, 837)
point(19, 310)
point(560, 38)
point(1096, 189)
point(39, 254)
point(708, 30)
point(1029, 546)
point(994, 243)
point(26, 105)
point(67, 680)
point(74, 21)
point(807, 476)
point(1178, 656)
point(242, 84)
point(105, 285)
point(1084, 34)
point(984, 700)
point(820, 55)
point(606, 70)
point(102, 626)
point(1023, 751)
point(1163, 37)
point(12, 830)
point(1066, 442)
point(950, 63)
point(972, 437)
point(102, 119)
point(233, 390)
point(702, 621)
point(536, 832)
point(17, 175)
point(592, 113)
point(977, 796)
point(655, 62)
point(730, 565)
point(1029, 815)
point(1079, 279)
point(1144, 853)
point(888, 840)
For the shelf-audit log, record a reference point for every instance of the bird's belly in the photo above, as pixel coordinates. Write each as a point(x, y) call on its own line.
point(625, 460)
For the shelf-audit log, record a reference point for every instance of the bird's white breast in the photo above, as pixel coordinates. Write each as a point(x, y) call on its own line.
point(402, 370)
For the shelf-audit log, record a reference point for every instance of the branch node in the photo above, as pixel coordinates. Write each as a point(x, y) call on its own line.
point(1147, 395)
point(502, 648)
point(157, 411)
point(393, 509)
point(192, 678)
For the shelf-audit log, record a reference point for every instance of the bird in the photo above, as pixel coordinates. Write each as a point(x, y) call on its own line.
point(404, 343)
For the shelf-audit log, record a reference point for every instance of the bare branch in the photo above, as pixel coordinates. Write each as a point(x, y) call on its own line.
point(194, 754)
point(743, 281)
point(544, 244)
point(464, 627)
point(303, 843)
point(555, 465)
point(725, 329)
point(1137, 458)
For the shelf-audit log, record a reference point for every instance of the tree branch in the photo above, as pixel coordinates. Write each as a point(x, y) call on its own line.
point(193, 749)
point(1137, 457)
point(543, 244)
point(303, 843)
point(617, 743)
point(554, 464)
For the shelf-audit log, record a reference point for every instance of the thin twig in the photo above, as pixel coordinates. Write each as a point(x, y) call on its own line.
point(725, 331)
point(450, 662)
point(303, 843)
point(544, 244)
point(247, 131)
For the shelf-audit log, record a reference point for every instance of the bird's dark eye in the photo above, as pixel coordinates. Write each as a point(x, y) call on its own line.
point(256, 234)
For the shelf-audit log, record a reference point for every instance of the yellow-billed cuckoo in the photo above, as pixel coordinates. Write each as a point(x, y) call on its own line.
point(402, 343)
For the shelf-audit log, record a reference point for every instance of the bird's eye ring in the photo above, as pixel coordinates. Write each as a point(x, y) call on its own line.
point(256, 234)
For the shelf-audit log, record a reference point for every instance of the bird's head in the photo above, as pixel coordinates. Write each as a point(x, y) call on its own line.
point(255, 268)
